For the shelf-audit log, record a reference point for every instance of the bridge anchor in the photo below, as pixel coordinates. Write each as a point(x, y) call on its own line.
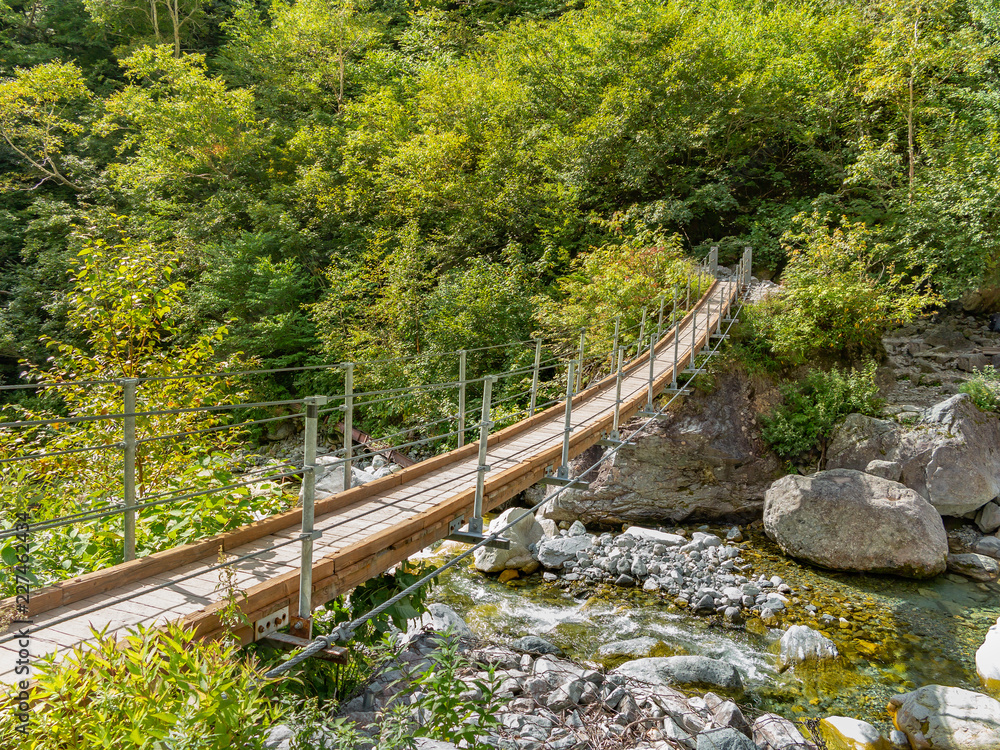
point(473, 535)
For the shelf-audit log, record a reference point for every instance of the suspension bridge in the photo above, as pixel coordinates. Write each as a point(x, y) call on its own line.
point(289, 563)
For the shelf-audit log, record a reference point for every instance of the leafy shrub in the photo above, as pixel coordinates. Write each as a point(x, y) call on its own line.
point(839, 294)
point(814, 404)
point(153, 689)
point(984, 388)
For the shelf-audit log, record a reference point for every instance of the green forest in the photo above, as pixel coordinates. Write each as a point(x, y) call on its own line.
point(324, 180)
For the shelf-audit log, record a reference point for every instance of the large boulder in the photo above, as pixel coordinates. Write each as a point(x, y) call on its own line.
point(946, 718)
point(988, 658)
point(773, 732)
point(951, 457)
point(526, 532)
point(849, 520)
point(706, 460)
point(682, 670)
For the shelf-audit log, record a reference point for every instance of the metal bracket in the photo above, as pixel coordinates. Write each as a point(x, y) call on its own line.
point(314, 534)
point(301, 627)
point(470, 537)
point(573, 484)
point(682, 391)
point(722, 336)
point(455, 524)
point(270, 624)
point(652, 414)
point(337, 654)
point(484, 467)
point(610, 442)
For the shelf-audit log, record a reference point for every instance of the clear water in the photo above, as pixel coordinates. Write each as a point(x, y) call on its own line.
point(900, 634)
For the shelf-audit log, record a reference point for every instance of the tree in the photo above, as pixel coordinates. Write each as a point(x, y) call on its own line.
point(37, 121)
point(178, 123)
point(153, 20)
point(918, 50)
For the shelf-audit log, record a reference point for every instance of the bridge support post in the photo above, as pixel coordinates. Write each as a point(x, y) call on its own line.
point(652, 365)
point(618, 396)
point(308, 533)
point(128, 484)
point(348, 422)
point(687, 305)
point(748, 251)
point(713, 260)
point(642, 334)
point(476, 522)
point(659, 320)
point(677, 331)
point(534, 378)
point(461, 397)
point(579, 370)
point(563, 472)
point(614, 345)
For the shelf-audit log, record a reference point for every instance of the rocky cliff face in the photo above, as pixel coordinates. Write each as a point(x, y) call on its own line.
point(707, 461)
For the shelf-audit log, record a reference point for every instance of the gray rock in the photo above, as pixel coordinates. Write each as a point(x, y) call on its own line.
point(565, 696)
point(443, 618)
point(902, 532)
point(724, 738)
point(682, 670)
point(577, 529)
point(552, 553)
point(801, 643)
point(728, 714)
point(662, 476)
point(947, 718)
point(988, 518)
point(952, 457)
point(974, 566)
point(773, 732)
point(522, 535)
point(989, 546)
point(891, 470)
point(533, 644)
point(633, 647)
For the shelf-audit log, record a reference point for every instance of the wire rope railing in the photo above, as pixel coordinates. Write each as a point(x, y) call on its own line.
point(559, 369)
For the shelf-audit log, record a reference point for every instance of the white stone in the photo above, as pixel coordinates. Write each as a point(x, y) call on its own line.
point(652, 535)
point(844, 733)
point(801, 643)
point(947, 718)
point(988, 658)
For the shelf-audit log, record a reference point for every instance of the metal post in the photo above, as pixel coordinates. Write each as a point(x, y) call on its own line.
point(618, 393)
point(348, 422)
point(642, 333)
point(713, 260)
point(749, 252)
point(677, 332)
point(461, 395)
point(687, 305)
point(652, 364)
point(563, 472)
point(476, 522)
point(534, 378)
point(694, 336)
point(307, 534)
point(659, 321)
point(614, 345)
point(128, 431)
point(579, 372)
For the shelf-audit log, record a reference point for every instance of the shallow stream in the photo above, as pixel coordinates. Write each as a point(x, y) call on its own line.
point(893, 634)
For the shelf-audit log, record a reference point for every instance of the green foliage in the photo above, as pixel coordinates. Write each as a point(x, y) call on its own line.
point(814, 404)
point(179, 124)
point(149, 689)
point(839, 293)
point(983, 388)
point(124, 303)
point(39, 120)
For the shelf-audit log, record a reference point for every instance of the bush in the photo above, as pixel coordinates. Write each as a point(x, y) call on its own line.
point(153, 689)
point(984, 388)
point(813, 406)
point(838, 294)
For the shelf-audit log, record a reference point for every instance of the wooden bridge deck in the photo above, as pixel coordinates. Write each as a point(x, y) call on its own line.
point(366, 530)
